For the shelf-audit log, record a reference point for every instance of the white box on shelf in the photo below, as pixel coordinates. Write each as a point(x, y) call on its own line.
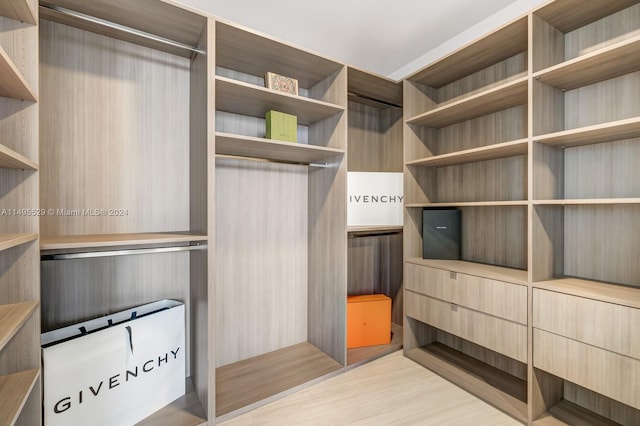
point(117, 369)
point(374, 199)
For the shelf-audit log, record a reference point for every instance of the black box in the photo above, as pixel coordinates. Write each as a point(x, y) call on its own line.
point(441, 233)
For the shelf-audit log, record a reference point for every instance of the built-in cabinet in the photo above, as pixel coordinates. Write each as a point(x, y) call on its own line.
point(20, 395)
point(531, 132)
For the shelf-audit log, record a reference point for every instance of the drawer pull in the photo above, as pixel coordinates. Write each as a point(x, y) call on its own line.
point(454, 307)
point(453, 275)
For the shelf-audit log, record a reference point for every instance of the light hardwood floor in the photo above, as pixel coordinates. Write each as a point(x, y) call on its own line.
point(392, 390)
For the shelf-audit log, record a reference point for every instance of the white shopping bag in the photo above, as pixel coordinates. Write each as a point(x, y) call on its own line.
point(115, 370)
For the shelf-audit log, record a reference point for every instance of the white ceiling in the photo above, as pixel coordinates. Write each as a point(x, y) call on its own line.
point(390, 38)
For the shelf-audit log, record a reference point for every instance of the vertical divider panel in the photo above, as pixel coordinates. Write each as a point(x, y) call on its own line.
point(327, 292)
point(202, 219)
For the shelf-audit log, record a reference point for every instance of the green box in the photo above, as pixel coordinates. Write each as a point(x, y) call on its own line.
point(281, 126)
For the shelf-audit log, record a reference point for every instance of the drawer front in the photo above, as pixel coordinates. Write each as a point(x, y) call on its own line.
point(605, 325)
point(499, 298)
point(499, 335)
point(613, 375)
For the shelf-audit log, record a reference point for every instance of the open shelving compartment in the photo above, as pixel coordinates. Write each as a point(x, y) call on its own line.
point(374, 253)
point(20, 383)
point(126, 140)
point(586, 205)
point(280, 222)
point(466, 147)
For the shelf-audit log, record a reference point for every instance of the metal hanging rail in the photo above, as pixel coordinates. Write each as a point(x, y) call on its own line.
point(119, 27)
point(124, 252)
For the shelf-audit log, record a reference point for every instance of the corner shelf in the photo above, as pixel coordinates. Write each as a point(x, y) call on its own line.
point(493, 272)
point(65, 242)
point(18, 10)
point(606, 292)
point(599, 133)
point(248, 99)
point(12, 317)
point(496, 99)
point(13, 84)
point(8, 241)
point(610, 62)
point(489, 152)
point(496, 387)
point(252, 380)
point(14, 391)
point(10, 159)
point(268, 149)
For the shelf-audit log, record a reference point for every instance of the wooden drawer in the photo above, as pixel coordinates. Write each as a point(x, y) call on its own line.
point(499, 298)
point(613, 375)
point(499, 335)
point(602, 324)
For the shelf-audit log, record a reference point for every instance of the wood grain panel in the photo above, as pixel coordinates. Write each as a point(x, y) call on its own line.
point(607, 132)
point(547, 44)
point(605, 325)
point(547, 242)
point(605, 253)
point(498, 298)
point(13, 317)
point(600, 404)
point(255, 379)
point(262, 258)
point(488, 271)
point(8, 241)
point(602, 171)
point(610, 100)
point(491, 152)
point(608, 373)
point(548, 109)
point(604, 32)
point(19, 274)
point(566, 412)
point(122, 114)
point(548, 172)
point(374, 87)
point(605, 292)
point(22, 352)
point(12, 160)
point(479, 54)
point(13, 84)
point(502, 336)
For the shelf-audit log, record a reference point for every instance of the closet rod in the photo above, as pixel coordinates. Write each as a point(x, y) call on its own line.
point(265, 160)
point(119, 27)
point(126, 252)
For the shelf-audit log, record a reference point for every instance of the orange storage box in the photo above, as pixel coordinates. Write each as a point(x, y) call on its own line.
point(368, 320)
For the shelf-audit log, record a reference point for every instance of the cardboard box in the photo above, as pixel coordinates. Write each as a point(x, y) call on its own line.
point(368, 320)
point(281, 126)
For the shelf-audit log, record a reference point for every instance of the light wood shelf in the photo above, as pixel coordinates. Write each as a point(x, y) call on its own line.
point(14, 391)
point(8, 241)
point(496, 99)
point(248, 99)
point(469, 204)
point(610, 62)
point(500, 273)
point(10, 159)
point(357, 356)
point(599, 133)
point(268, 149)
point(13, 84)
point(184, 411)
point(607, 292)
point(61, 242)
point(498, 388)
point(252, 380)
point(587, 202)
point(569, 15)
point(489, 152)
point(373, 230)
point(377, 89)
point(245, 50)
point(511, 39)
point(12, 317)
point(568, 413)
point(18, 10)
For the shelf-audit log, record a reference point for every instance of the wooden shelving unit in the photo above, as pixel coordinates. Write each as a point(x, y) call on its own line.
point(599, 133)
point(268, 149)
point(469, 204)
point(14, 391)
point(10, 159)
point(496, 99)
point(20, 394)
point(490, 152)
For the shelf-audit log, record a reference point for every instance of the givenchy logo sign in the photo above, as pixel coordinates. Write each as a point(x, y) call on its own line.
point(95, 390)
